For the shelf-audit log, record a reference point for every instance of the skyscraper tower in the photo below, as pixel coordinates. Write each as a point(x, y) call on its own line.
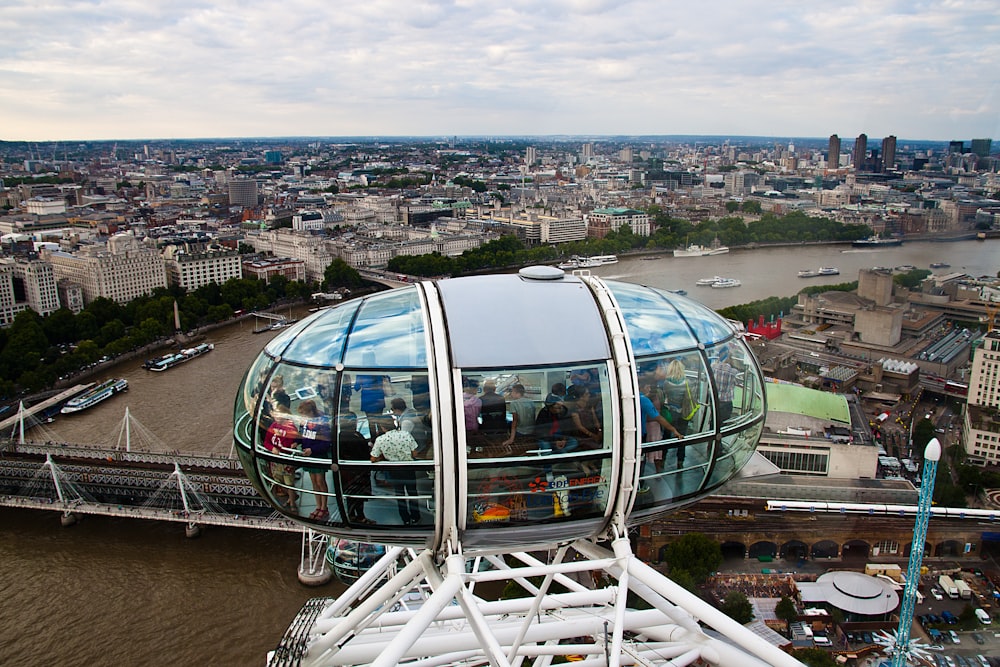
point(860, 151)
point(833, 154)
point(530, 155)
point(889, 153)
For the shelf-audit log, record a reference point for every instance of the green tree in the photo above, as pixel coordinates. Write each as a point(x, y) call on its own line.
point(340, 274)
point(814, 657)
point(751, 206)
point(696, 553)
point(732, 206)
point(737, 607)
point(785, 610)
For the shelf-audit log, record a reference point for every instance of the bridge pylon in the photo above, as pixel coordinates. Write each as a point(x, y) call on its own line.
point(313, 568)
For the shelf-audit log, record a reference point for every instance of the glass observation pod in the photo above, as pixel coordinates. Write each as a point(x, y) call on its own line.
point(511, 410)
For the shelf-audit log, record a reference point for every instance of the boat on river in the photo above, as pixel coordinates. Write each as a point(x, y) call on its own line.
point(723, 283)
point(161, 364)
point(940, 265)
point(695, 250)
point(821, 271)
point(877, 241)
point(92, 397)
point(707, 282)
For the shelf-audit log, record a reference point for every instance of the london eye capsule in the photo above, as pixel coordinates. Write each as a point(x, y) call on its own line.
point(498, 411)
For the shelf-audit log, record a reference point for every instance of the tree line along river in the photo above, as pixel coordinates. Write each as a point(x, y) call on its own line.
point(123, 592)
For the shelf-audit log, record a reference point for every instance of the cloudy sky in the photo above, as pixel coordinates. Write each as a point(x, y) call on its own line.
point(124, 69)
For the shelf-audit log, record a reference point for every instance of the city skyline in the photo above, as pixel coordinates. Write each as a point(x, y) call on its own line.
point(128, 70)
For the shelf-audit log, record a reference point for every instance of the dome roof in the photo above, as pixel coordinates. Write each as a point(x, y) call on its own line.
point(510, 410)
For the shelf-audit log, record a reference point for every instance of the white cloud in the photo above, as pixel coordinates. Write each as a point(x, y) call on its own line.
point(124, 68)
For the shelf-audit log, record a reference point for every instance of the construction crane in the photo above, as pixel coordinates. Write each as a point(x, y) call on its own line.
point(905, 648)
point(991, 315)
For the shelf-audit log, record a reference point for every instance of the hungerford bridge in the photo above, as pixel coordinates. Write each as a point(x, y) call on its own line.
point(184, 488)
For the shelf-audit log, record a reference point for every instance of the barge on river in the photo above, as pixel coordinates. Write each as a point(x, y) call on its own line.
point(161, 364)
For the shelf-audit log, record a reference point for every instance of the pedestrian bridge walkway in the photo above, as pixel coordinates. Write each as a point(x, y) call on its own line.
point(273, 522)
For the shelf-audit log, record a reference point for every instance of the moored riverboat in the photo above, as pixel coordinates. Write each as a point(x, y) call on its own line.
point(101, 392)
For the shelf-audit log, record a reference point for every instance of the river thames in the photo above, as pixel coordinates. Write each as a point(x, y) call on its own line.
point(121, 592)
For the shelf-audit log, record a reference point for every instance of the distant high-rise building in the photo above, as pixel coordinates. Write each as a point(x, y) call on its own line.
point(625, 155)
point(272, 157)
point(889, 153)
point(530, 155)
point(956, 147)
point(982, 147)
point(587, 151)
point(860, 151)
point(833, 155)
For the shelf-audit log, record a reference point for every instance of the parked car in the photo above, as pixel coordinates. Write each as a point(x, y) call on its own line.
point(949, 617)
point(954, 637)
point(978, 638)
point(936, 592)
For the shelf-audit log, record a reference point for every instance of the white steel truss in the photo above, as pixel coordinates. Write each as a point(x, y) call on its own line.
point(604, 608)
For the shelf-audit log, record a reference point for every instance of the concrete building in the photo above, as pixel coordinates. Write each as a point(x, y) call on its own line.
point(833, 153)
point(542, 229)
point(9, 307)
point(816, 433)
point(121, 271)
point(243, 192)
point(311, 250)
point(981, 426)
point(70, 295)
point(191, 267)
point(35, 285)
point(603, 220)
point(265, 268)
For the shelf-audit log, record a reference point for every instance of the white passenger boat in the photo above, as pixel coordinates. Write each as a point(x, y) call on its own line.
point(726, 282)
point(829, 271)
point(695, 250)
point(92, 397)
point(707, 282)
point(808, 273)
point(604, 259)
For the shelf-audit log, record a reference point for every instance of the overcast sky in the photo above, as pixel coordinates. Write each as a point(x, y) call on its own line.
point(136, 69)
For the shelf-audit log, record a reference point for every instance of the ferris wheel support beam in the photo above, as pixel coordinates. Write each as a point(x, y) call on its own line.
point(695, 606)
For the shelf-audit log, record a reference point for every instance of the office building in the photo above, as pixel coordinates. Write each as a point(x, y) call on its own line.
point(530, 155)
point(982, 147)
point(191, 267)
point(9, 307)
point(243, 192)
point(122, 270)
point(604, 220)
point(833, 153)
point(889, 153)
point(860, 152)
point(981, 426)
point(35, 285)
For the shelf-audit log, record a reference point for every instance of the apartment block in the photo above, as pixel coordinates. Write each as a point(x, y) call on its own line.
point(191, 268)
